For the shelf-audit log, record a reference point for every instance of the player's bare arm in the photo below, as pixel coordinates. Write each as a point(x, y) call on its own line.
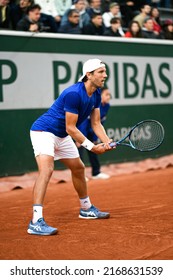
point(74, 132)
point(99, 129)
point(97, 126)
point(71, 129)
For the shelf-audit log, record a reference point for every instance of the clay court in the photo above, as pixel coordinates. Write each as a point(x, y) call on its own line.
point(140, 226)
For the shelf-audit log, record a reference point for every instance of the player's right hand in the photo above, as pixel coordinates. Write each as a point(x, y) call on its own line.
point(101, 148)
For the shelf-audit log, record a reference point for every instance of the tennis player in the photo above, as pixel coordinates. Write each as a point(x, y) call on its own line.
point(52, 137)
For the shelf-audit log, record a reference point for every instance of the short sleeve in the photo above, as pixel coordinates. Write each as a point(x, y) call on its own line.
point(72, 103)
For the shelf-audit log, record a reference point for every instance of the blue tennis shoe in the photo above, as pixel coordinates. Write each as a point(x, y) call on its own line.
point(41, 228)
point(93, 213)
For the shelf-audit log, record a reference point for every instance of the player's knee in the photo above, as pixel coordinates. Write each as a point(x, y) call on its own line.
point(45, 175)
point(46, 171)
point(79, 168)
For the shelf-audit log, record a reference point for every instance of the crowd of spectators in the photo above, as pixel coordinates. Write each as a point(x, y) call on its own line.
point(132, 19)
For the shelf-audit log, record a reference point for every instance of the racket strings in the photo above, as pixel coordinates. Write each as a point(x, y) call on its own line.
point(147, 136)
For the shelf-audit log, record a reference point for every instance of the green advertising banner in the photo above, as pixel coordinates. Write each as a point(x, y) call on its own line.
point(34, 69)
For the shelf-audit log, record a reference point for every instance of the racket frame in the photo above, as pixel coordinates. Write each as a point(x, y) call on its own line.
point(120, 142)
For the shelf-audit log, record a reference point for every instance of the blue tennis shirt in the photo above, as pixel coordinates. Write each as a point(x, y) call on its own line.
point(75, 100)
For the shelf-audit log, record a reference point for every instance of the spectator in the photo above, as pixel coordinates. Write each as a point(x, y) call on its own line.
point(48, 7)
point(127, 9)
point(49, 22)
point(79, 5)
point(105, 5)
point(72, 25)
point(134, 30)
point(156, 20)
point(138, 4)
point(87, 130)
point(168, 29)
point(113, 30)
point(31, 21)
point(148, 29)
point(84, 16)
point(96, 26)
point(114, 11)
point(94, 7)
point(62, 6)
point(145, 11)
point(5, 10)
point(19, 11)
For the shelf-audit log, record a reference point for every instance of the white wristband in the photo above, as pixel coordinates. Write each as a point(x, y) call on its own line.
point(87, 144)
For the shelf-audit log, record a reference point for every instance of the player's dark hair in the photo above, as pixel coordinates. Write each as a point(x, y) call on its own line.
point(86, 78)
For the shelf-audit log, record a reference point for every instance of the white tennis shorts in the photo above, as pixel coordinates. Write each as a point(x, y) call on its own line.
point(46, 143)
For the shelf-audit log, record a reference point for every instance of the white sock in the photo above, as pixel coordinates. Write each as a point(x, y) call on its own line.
point(85, 203)
point(37, 212)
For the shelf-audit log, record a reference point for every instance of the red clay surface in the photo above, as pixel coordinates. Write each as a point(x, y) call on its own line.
point(140, 226)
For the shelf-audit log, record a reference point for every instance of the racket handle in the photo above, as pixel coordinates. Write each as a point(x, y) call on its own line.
point(113, 144)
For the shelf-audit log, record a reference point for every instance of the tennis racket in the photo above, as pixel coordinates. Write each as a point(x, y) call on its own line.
point(145, 136)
